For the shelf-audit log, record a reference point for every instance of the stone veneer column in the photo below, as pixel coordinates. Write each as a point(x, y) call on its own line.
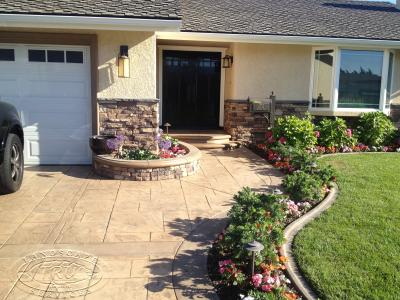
point(135, 118)
point(241, 123)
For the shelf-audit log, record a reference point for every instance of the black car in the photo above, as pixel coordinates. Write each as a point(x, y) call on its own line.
point(11, 149)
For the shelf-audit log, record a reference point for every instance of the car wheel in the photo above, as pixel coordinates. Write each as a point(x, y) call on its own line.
point(12, 168)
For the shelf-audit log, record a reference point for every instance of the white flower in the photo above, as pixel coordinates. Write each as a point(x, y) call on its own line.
point(243, 297)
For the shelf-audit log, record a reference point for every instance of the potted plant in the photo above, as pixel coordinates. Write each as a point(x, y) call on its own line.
point(98, 144)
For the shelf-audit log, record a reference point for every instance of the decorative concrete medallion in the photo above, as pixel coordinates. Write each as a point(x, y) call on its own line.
point(58, 273)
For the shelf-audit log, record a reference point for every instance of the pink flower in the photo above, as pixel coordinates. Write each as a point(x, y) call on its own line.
point(282, 140)
point(271, 140)
point(317, 134)
point(221, 270)
point(256, 280)
point(266, 288)
point(268, 134)
point(224, 263)
point(269, 280)
point(349, 132)
point(277, 281)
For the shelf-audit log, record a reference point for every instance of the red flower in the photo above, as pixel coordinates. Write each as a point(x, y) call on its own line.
point(282, 140)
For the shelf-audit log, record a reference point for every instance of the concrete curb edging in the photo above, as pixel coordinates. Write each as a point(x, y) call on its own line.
point(290, 232)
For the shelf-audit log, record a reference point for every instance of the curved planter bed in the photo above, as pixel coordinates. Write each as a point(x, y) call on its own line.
point(148, 170)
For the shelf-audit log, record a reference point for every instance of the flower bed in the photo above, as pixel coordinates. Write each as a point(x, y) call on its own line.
point(262, 218)
point(292, 146)
point(145, 170)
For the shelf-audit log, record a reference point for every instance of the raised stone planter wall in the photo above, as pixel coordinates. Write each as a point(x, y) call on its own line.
point(136, 119)
point(148, 170)
point(241, 123)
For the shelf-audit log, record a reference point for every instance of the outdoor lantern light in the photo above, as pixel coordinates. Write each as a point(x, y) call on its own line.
point(227, 61)
point(123, 62)
point(254, 247)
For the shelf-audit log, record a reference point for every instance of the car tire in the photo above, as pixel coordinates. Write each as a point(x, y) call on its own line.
point(12, 168)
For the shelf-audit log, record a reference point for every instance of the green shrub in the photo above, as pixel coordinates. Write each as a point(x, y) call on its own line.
point(254, 217)
point(303, 186)
point(138, 154)
point(335, 133)
point(325, 173)
point(299, 159)
point(375, 129)
point(298, 132)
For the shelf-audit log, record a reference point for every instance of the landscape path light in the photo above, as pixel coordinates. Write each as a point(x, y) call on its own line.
point(254, 247)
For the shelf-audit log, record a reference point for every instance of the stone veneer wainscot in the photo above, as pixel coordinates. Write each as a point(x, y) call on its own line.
point(136, 119)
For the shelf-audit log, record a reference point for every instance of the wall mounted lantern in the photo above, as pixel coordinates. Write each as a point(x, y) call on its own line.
point(227, 61)
point(123, 62)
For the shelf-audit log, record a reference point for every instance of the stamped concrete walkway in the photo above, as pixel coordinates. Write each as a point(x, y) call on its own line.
point(68, 233)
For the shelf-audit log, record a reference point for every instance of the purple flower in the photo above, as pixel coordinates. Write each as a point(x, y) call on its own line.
point(165, 144)
point(114, 144)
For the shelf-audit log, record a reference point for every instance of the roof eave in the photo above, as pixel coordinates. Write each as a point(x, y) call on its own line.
point(85, 22)
point(276, 39)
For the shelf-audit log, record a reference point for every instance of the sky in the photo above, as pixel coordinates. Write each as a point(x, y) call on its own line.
point(392, 1)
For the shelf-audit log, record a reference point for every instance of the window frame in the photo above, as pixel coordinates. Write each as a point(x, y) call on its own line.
point(314, 49)
point(333, 107)
point(385, 109)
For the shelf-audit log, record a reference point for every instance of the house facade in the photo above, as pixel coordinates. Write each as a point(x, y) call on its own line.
point(77, 68)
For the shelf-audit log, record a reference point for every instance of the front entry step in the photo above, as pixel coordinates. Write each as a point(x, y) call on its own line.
point(204, 139)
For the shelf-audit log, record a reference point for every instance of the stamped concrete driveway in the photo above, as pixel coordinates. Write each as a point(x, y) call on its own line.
point(70, 234)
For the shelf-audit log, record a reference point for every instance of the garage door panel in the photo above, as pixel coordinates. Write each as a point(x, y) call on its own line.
point(53, 100)
point(81, 133)
point(56, 88)
point(56, 150)
point(55, 104)
point(8, 87)
point(52, 120)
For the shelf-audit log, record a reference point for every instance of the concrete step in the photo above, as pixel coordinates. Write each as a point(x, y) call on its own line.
point(204, 139)
point(204, 146)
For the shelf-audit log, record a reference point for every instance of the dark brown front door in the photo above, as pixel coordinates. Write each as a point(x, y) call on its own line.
point(191, 89)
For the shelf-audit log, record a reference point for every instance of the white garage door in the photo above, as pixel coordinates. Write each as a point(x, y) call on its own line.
point(50, 87)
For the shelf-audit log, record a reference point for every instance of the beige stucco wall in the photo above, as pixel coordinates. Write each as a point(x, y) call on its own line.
point(142, 55)
point(259, 69)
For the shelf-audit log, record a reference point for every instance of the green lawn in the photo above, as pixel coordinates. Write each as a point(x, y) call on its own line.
point(353, 250)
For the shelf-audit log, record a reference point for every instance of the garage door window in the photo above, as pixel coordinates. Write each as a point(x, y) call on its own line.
point(55, 56)
point(74, 57)
point(7, 55)
point(37, 55)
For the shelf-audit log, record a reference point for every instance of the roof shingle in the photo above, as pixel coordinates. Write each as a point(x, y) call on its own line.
point(154, 9)
point(322, 18)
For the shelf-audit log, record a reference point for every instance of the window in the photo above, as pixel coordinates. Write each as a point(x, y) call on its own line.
point(389, 80)
point(55, 56)
point(355, 81)
point(37, 55)
point(360, 79)
point(7, 55)
point(74, 57)
point(322, 82)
